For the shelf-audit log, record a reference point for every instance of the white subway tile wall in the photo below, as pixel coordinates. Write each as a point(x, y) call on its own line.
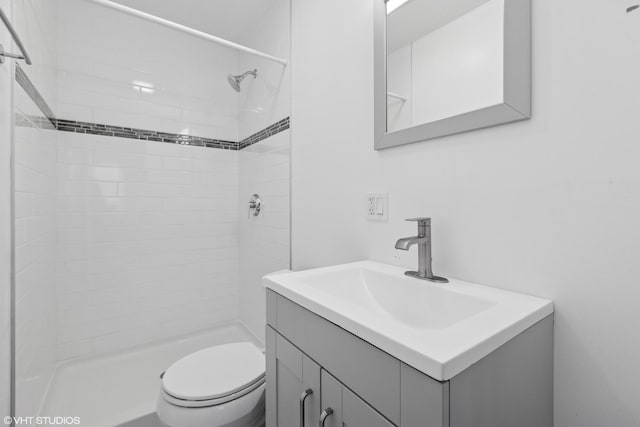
point(264, 239)
point(121, 70)
point(147, 241)
point(35, 187)
point(36, 23)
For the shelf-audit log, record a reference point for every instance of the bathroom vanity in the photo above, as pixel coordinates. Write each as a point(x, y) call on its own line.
point(362, 345)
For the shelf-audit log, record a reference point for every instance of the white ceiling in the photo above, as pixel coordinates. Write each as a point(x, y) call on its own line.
point(417, 18)
point(222, 18)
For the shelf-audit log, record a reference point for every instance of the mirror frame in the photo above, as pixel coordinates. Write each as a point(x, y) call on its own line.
point(516, 103)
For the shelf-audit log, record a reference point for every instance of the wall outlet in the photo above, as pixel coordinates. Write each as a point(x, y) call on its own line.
point(377, 208)
point(371, 205)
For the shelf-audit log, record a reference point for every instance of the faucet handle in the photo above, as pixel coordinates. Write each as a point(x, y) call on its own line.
point(421, 220)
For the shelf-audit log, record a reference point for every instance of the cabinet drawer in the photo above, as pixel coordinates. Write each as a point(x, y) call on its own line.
point(371, 373)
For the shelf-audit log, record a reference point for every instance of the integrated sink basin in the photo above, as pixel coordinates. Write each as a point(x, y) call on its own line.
point(401, 299)
point(439, 329)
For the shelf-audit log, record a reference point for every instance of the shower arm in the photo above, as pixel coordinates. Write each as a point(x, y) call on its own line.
point(253, 73)
point(188, 30)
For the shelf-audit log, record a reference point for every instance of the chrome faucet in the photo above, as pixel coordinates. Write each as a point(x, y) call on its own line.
point(423, 240)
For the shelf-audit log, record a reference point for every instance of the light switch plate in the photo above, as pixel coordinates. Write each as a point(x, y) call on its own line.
point(377, 206)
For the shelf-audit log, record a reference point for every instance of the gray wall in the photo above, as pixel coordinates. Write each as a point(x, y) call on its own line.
point(548, 207)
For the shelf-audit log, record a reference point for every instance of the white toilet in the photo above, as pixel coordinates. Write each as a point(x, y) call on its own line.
point(221, 386)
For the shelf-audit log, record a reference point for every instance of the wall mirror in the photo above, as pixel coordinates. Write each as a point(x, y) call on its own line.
point(449, 66)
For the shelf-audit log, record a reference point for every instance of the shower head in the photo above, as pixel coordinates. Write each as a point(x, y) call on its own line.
point(234, 81)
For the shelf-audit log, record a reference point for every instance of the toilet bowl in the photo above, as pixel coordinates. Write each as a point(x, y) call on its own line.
point(220, 386)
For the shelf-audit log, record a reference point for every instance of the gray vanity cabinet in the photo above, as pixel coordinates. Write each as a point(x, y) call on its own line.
point(298, 389)
point(293, 384)
point(366, 387)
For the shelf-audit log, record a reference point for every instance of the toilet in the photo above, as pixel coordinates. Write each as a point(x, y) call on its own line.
point(220, 386)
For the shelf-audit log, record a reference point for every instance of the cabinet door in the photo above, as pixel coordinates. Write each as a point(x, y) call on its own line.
point(293, 385)
point(340, 407)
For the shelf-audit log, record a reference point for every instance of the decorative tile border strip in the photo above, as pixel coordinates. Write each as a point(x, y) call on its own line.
point(173, 138)
point(141, 134)
point(274, 129)
point(33, 93)
point(49, 121)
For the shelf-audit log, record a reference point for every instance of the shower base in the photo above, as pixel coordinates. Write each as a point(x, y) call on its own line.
point(121, 389)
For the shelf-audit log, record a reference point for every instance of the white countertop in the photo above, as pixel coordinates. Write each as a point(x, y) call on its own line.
point(439, 329)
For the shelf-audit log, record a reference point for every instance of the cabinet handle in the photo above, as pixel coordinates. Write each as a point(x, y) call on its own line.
point(324, 415)
point(308, 392)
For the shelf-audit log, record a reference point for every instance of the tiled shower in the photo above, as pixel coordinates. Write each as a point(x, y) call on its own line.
point(144, 231)
point(135, 161)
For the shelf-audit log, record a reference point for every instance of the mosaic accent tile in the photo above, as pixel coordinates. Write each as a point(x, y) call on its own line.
point(265, 133)
point(142, 134)
point(150, 135)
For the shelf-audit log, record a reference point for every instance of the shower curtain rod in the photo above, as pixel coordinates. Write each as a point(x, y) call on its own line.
point(185, 29)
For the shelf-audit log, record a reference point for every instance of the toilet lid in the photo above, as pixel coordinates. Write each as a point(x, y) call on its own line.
point(214, 372)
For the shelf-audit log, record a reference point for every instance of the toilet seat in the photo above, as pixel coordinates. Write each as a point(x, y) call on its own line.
point(213, 402)
point(214, 375)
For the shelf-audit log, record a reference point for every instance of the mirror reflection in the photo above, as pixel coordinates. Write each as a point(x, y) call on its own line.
point(444, 59)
